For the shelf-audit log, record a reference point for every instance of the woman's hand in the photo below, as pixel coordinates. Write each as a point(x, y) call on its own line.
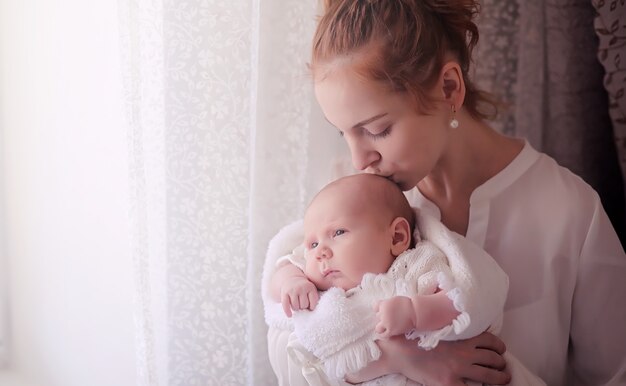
point(450, 363)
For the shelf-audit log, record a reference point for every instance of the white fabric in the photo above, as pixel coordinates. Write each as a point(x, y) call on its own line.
point(342, 343)
point(482, 300)
point(567, 270)
point(340, 331)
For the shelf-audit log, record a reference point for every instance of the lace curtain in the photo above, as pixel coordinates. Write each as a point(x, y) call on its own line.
point(4, 277)
point(610, 26)
point(4, 354)
point(221, 112)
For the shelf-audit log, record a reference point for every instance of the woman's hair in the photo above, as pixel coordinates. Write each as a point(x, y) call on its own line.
point(403, 43)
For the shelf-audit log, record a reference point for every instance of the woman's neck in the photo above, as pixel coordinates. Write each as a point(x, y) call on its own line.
point(475, 154)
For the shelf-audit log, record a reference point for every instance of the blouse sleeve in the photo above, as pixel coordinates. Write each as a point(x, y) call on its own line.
point(597, 352)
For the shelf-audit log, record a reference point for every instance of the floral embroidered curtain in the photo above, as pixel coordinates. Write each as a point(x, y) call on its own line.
point(222, 119)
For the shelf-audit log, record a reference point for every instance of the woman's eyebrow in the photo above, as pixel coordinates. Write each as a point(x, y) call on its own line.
point(369, 120)
point(362, 123)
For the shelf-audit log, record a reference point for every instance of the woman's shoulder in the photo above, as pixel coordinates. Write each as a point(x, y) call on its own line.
point(547, 181)
point(552, 200)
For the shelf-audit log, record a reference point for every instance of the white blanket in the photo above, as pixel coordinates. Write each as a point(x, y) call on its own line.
point(480, 304)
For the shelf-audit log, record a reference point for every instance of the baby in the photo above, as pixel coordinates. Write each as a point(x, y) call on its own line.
point(357, 225)
point(379, 277)
point(354, 228)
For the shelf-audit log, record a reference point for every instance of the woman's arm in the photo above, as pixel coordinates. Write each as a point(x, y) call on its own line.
point(597, 333)
point(477, 359)
point(450, 363)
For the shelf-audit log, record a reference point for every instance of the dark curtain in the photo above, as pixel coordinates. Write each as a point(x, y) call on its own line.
point(610, 26)
point(541, 58)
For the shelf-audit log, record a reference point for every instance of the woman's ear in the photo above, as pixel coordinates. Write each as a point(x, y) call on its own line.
point(401, 236)
point(452, 84)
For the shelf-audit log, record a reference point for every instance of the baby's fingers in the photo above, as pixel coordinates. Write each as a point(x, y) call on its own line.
point(303, 302)
point(286, 302)
point(314, 297)
point(381, 330)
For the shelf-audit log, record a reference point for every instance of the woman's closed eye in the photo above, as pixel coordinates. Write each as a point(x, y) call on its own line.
point(368, 133)
point(379, 135)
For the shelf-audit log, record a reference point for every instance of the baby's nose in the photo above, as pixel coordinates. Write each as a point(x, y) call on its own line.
point(324, 253)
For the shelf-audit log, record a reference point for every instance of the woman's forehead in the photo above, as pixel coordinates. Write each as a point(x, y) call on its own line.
point(347, 99)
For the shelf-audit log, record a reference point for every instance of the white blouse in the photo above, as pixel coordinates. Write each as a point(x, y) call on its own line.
point(565, 316)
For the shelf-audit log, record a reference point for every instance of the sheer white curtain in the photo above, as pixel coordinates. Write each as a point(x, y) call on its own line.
point(222, 119)
point(4, 278)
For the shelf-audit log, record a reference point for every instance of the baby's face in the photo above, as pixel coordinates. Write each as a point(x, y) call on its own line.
point(344, 240)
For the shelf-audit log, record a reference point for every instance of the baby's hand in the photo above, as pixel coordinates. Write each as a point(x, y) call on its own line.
point(395, 316)
point(298, 293)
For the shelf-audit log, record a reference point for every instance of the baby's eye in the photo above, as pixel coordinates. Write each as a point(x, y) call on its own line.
point(313, 245)
point(339, 232)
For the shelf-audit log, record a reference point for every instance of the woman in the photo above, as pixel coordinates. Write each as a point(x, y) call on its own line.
point(392, 77)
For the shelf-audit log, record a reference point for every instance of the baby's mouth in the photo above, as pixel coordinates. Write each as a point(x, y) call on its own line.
point(329, 272)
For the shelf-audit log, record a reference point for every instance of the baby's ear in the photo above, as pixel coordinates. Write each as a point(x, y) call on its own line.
point(401, 236)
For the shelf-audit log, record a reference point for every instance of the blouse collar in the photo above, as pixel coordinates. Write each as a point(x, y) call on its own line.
point(490, 188)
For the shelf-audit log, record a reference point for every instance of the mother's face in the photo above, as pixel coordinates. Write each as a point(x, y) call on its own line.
point(385, 133)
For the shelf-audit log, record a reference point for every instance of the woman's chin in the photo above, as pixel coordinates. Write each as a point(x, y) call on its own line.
point(404, 185)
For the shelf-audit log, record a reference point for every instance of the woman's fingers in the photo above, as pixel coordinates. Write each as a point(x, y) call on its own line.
point(489, 364)
point(488, 341)
point(489, 358)
point(477, 359)
point(488, 375)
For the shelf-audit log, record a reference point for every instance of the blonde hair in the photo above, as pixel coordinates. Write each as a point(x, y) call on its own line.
point(403, 43)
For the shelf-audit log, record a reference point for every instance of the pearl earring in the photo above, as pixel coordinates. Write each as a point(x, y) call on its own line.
point(454, 123)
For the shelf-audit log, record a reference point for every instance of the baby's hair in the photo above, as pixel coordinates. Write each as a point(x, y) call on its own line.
point(376, 192)
point(402, 43)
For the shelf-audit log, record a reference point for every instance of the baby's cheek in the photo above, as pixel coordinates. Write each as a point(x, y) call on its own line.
point(316, 278)
point(322, 284)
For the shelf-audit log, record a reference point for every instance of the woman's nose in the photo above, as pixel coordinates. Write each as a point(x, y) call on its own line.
point(362, 157)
